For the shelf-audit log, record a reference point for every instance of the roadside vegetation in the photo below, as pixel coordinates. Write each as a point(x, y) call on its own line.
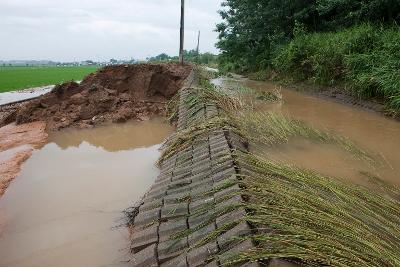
point(14, 78)
point(351, 45)
point(207, 59)
point(297, 214)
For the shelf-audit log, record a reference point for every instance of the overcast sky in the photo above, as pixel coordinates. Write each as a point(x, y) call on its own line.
point(69, 30)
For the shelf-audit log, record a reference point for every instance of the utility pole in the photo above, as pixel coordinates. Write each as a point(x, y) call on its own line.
point(198, 48)
point(182, 35)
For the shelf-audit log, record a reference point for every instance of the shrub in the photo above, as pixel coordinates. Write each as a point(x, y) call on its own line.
point(365, 57)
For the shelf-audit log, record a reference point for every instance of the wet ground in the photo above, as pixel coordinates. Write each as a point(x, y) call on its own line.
point(16, 145)
point(373, 132)
point(9, 97)
point(63, 208)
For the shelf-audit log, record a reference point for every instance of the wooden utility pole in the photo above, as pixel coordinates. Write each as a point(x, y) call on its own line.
point(182, 35)
point(198, 48)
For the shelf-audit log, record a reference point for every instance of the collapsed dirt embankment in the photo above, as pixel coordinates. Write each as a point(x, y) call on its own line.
point(114, 93)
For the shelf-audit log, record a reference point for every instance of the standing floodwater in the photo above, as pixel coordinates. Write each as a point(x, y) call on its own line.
point(61, 209)
point(378, 135)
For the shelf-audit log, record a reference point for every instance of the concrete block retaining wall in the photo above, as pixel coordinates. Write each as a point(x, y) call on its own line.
point(183, 199)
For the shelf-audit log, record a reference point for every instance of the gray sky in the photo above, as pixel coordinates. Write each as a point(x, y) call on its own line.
point(69, 30)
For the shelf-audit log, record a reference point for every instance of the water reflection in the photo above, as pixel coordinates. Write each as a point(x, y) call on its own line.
point(115, 137)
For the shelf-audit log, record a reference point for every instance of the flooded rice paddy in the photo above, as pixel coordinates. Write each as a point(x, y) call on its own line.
point(65, 206)
point(378, 135)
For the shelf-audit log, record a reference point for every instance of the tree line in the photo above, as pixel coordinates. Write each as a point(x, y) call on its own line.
point(350, 44)
point(252, 30)
point(189, 55)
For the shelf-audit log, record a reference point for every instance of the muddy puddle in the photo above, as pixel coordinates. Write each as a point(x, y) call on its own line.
point(63, 208)
point(378, 135)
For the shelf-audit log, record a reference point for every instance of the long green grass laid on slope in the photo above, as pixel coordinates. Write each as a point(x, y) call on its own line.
point(320, 221)
point(300, 215)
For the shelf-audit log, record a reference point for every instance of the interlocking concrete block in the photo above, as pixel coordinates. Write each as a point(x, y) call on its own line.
point(213, 264)
point(223, 160)
point(164, 176)
point(217, 148)
point(179, 190)
point(172, 211)
point(201, 169)
point(218, 145)
point(201, 203)
point(181, 176)
point(202, 156)
point(176, 198)
point(171, 249)
point(206, 219)
point(200, 149)
point(281, 263)
point(230, 217)
point(181, 170)
point(147, 217)
point(220, 154)
point(169, 162)
point(184, 155)
point(200, 234)
point(146, 257)
point(161, 184)
point(171, 227)
point(227, 192)
point(199, 256)
point(179, 261)
point(154, 195)
point(180, 183)
point(255, 264)
point(242, 229)
point(234, 251)
point(144, 237)
point(201, 162)
point(149, 205)
point(222, 166)
point(201, 189)
point(223, 174)
point(201, 176)
point(216, 135)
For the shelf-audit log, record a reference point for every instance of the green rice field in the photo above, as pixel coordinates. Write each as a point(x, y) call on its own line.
point(14, 78)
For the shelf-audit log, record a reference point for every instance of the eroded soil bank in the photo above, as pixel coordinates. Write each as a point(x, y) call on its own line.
point(16, 145)
point(112, 94)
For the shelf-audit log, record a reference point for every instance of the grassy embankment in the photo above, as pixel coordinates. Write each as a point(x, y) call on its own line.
point(298, 215)
point(14, 78)
point(362, 61)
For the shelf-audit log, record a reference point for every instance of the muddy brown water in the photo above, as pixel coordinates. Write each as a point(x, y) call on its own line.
point(371, 131)
point(62, 208)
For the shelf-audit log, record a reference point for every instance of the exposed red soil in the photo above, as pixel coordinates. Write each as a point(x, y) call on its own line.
point(114, 93)
point(16, 145)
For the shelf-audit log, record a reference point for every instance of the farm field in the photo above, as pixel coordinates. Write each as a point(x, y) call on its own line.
point(14, 78)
